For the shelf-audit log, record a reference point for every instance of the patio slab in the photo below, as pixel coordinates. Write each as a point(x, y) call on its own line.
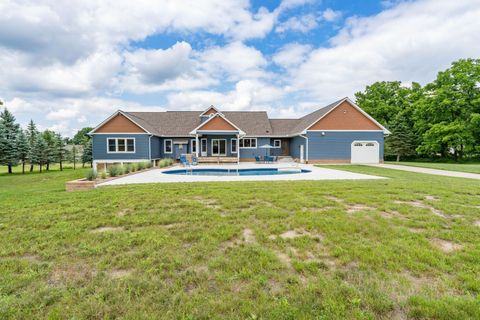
point(317, 173)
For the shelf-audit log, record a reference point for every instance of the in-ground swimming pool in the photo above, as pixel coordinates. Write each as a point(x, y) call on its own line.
point(237, 172)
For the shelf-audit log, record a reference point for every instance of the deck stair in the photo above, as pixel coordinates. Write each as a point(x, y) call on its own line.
point(217, 160)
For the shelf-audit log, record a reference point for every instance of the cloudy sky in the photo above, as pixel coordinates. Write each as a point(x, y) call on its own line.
point(70, 64)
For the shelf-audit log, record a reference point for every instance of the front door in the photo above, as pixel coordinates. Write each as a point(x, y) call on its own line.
point(285, 147)
point(219, 147)
point(203, 149)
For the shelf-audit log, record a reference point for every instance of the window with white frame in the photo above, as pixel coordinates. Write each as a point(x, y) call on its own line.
point(121, 145)
point(248, 143)
point(167, 146)
point(193, 143)
point(233, 146)
point(277, 143)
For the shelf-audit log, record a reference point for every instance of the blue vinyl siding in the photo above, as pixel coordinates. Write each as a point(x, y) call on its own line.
point(251, 153)
point(156, 147)
point(338, 145)
point(295, 144)
point(99, 149)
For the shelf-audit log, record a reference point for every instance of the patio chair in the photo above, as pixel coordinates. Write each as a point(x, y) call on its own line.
point(258, 159)
point(183, 160)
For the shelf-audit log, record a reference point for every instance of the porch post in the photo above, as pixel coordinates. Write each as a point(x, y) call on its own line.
point(238, 148)
point(196, 145)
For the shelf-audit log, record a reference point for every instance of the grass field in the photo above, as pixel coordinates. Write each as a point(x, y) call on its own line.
point(462, 167)
point(404, 247)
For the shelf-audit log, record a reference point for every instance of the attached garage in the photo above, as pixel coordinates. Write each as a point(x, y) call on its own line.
point(365, 152)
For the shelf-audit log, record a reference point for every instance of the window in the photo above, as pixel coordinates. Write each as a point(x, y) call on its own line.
point(233, 146)
point(168, 146)
point(194, 145)
point(121, 145)
point(248, 143)
point(112, 145)
point(277, 143)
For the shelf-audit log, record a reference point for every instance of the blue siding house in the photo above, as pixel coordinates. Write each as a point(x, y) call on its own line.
point(338, 132)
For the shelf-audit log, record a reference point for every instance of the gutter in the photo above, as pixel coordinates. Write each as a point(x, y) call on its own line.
point(150, 146)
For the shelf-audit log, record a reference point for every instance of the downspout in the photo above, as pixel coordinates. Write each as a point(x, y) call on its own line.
point(150, 147)
point(306, 147)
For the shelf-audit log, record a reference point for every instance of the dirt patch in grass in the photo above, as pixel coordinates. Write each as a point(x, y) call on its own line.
point(296, 233)
point(78, 273)
point(209, 203)
point(119, 273)
point(431, 198)
point(285, 259)
point(248, 237)
point(357, 208)
point(107, 229)
point(477, 223)
point(316, 209)
point(420, 204)
point(391, 214)
point(333, 198)
point(416, 230)
point(445, 245)
point(123, 212)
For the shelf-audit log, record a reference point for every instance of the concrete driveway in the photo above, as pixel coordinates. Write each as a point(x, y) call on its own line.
point(158, 175)
point(429, 171)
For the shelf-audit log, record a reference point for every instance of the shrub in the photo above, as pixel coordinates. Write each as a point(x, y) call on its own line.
point(91, 175)
point(133, 167)
point(148, 164)
point(103, 175)
point(115, 170)
point(140, 166)
point(166, 162)
point(128, 168)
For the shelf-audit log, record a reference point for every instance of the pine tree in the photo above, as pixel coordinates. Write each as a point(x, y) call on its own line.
point(87, 153)
point(49, 137)
point(400, 142)
point(32, 134)
point(9, 132)
point(39, 152)
point(23, 148)
point(60, 151)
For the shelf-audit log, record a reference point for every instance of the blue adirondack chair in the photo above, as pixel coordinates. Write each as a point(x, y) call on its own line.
point(183, 160)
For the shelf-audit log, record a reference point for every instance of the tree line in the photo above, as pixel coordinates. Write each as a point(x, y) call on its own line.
point(440, 120)
point(31, 147)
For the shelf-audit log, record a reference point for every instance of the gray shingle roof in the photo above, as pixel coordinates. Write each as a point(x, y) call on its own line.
point(253, 123)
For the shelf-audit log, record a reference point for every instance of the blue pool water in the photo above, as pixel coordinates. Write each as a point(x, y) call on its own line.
point(236, 172)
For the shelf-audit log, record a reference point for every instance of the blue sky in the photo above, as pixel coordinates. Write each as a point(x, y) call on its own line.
point(70, 65)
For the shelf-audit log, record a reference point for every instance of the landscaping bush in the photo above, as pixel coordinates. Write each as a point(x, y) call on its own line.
point(133, 167)
point(128, 168)
point(166, 162)
point(140, 166)
point(91, 175)
point(148, 164)
point(103, 175)
point(115, 170)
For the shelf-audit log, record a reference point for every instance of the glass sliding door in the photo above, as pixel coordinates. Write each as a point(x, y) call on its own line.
point(219, 147)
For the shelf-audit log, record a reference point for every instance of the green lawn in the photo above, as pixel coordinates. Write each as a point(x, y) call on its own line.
point(53, 167)
point(462, 167)
point(405, 247)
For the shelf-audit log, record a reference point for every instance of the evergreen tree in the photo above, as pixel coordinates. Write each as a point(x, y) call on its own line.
point(60, 151)
point(49, 137)
point(9, 132)
point(32, 134)
point(400, 142)
point(39, 152)
point(87, 153)
point(23, 148)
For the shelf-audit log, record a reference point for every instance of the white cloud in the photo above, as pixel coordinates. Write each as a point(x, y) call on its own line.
point(302, 24)
point(331, 15)
point(292, 55)
point(406, 43)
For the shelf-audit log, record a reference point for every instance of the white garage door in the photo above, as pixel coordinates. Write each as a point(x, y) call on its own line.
point(365, 152)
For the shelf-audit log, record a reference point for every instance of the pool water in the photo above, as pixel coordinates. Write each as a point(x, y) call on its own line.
point(237, 172)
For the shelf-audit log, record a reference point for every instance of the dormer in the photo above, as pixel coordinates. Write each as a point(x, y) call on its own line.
point(210, 112)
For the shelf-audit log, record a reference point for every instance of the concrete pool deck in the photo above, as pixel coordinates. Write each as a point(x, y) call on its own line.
point(317, 173)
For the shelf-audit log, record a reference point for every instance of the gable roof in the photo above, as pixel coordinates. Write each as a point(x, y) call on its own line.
point(210, 110)
point(211, 119)
point(115, 114)
point(251, 123)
